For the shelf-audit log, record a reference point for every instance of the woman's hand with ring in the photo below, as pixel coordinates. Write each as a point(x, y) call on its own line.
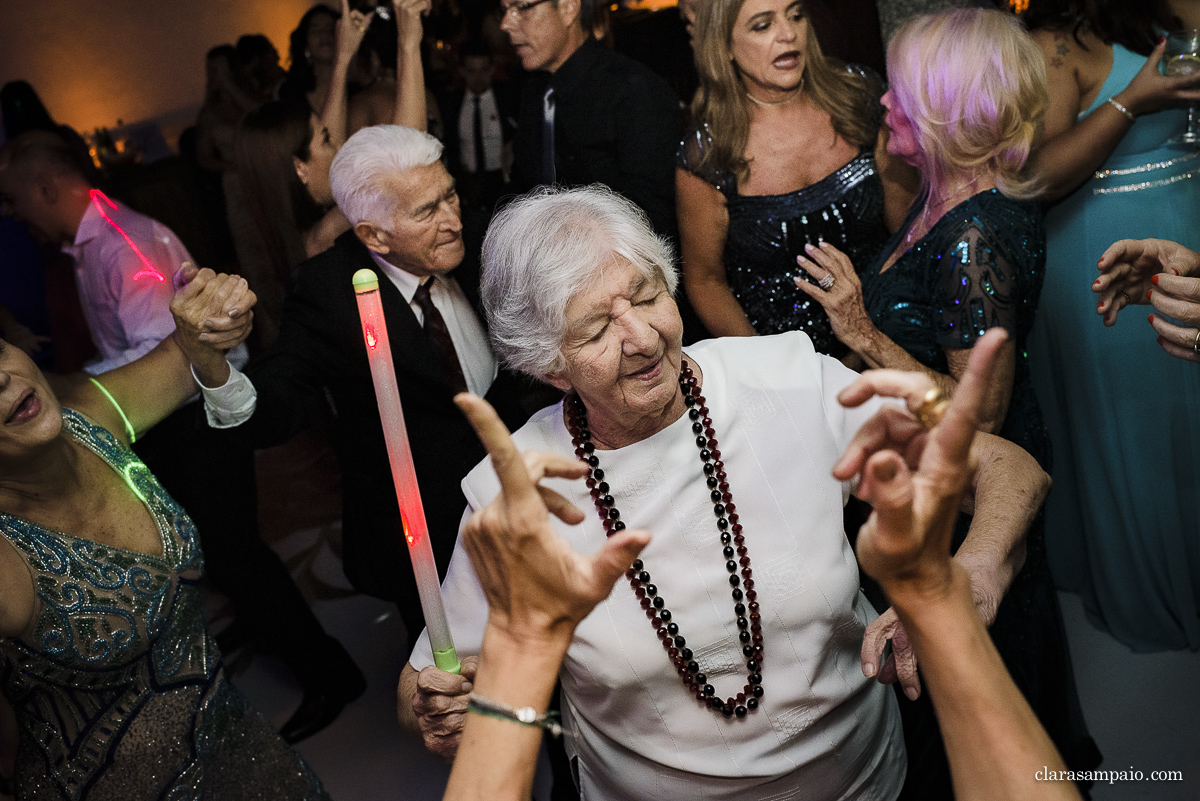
point(838, 290)
point(1179, 297)
point(351, 29)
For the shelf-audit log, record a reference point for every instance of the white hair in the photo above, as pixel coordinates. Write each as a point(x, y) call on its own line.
point(361, 169)
point(549, 245)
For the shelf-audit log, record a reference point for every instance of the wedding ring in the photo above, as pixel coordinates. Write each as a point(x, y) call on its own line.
point(1196, 344)
point(826, 283)
point(931, 408)
point(1123, 297)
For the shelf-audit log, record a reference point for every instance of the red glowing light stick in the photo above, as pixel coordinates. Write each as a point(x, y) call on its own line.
point(412, 514)
point(148, 271)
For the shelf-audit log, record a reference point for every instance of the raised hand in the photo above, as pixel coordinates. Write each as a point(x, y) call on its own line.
point(351, 28)
point(212, 315)
point(538, 588)
point(409, 28)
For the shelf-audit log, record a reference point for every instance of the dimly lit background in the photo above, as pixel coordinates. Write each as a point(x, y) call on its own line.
point(132, 60)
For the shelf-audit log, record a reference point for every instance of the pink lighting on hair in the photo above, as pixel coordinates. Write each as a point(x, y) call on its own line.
point(149, 271)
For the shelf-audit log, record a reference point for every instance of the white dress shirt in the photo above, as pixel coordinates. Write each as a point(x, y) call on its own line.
point(493, 134)
point(125, 284)
point(466, 331)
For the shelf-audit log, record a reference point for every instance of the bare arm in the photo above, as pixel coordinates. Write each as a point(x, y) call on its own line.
point(703, 225)
point(1072, 150)
point(410, 106)
point(538, 590)
point(915, 481)
point(156, 384)
point(350, 31)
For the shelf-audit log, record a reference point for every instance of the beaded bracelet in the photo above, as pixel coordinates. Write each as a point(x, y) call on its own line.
point(1113, 102)
point(526, 715)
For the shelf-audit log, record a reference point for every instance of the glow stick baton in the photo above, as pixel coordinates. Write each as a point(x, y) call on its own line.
point(404, 475)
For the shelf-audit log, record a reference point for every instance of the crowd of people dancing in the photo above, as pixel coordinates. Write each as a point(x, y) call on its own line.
point(632, 265)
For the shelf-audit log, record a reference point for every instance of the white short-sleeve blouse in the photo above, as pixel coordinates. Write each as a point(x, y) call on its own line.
point(823, 731)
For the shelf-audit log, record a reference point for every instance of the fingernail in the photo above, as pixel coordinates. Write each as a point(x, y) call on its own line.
point(233, 312)
point(885, 471)
point(1154, 279)
point(911, 692)
point(1150, 319)
point(869, 669)
point(1096, 284)
point(1149, 292)
point(808, 247)
point(1160, 340)
point(1100, 307)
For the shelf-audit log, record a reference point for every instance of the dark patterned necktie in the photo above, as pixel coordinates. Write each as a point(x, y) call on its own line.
point(439, 337)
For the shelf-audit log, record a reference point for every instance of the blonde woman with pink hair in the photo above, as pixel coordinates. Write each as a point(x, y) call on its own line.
point(965, 104)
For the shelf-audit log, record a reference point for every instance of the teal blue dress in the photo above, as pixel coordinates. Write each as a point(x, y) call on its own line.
point(1123, 519)
point(117, 686)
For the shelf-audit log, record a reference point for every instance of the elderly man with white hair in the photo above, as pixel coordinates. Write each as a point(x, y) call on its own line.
point(709, 675)
point(401, 202)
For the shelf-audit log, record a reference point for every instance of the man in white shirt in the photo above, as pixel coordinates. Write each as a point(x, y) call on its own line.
point(124, 261)
point(389, 182)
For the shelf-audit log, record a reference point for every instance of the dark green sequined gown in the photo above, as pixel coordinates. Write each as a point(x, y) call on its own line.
point(118, 688)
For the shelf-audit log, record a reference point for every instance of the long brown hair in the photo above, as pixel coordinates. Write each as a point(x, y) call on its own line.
point(721, 103)
point(283, 210)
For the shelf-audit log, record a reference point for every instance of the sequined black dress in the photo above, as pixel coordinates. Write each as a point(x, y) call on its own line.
point(118, 688)
point(981, 266)
point(767, 232)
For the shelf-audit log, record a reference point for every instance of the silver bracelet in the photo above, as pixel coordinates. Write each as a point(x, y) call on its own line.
point(1113, 102)
point(526, 715)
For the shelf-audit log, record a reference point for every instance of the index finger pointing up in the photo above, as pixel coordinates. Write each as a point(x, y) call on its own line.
point(510, 468)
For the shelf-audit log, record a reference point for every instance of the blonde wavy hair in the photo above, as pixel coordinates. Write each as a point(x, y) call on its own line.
point(721, 103)
point(972, 83)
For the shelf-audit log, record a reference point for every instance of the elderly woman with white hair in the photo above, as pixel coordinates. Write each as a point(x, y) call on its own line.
point(710, 674)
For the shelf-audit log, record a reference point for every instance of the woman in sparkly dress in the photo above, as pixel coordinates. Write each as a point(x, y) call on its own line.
point(117, 686)
point(970, 256)
point(785, 151)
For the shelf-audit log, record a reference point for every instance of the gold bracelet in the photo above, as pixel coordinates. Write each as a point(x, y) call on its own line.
point(1113, 102)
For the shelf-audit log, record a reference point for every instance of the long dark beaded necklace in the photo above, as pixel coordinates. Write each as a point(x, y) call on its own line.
point(733, 548)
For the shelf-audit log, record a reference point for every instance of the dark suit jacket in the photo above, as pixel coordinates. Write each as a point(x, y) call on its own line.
point(451, 106)
point(616, 122)
point(321, 354)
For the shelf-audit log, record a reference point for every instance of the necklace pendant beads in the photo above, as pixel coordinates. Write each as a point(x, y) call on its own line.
point(747, 612)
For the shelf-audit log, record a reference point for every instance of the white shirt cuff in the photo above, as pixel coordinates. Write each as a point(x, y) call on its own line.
point(230, 404)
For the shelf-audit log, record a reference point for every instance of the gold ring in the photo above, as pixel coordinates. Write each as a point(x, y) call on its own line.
point(931, 408)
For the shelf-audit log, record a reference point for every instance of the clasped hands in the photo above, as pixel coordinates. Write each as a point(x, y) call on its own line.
point(213, 315)
point(538, 588)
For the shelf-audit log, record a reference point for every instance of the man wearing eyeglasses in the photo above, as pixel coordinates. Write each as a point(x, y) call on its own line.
point(589, 114)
